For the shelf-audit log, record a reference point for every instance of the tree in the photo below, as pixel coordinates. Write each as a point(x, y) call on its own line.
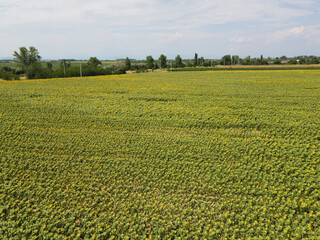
point(178, 61)
point(127, 64)
point(302, 61)
point(235, 59)
point(283, 58)
point(201, 61)
point(292, 61)
point(29, 61)
point(314, 60)
point(149, 62)
point(26, 57)
point(277, 61)
point(226, 60)
point(163, 61)
point(247, 60)
point(195, 63)
point(94, 62)
point(49, 66)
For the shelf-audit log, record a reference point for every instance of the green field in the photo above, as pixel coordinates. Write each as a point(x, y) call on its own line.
point(180, 155)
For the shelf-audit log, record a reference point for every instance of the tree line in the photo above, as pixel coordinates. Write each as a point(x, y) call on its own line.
point(30, 65)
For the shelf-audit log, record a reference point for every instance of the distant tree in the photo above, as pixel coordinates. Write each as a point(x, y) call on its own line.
point(207, 63)
point(235, 59)
point(283, 58)
point(195, 63)
point(149, 62)
point(314, 60)
point(302, 61)
point(277, 61)
point(127, 64)
point(49, 66)
point(226, 60)
point(94, 62)
point(163, 61)
point(292, 61)
point(29, 61)
point(189, 63)
point(201, 62)
point(260, 61)
point(247, 61)
point(25, 57)
point(178, 61)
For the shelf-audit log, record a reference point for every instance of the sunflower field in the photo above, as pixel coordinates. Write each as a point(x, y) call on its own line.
point(162, 155)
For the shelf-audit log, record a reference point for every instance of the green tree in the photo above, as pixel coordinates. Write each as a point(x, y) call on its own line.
point(25, 58)
point(201, 61)
point(94, 62)
point(163, 61)
point(29, 61)
point(195, 62)
point(277, 61)
point(302, 61)
point(247, 61)
point(314, 60)
point(283, 58)
point(49, 66)
point(226, 60)
point(292, 61)
point(127, 64)
point(149, 62)
point(178, 61)
point(235, 59)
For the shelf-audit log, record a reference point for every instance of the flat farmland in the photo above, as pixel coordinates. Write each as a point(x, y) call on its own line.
point(160, 155)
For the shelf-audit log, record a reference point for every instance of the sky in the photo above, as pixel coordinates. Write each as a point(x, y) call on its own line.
point(111, 29)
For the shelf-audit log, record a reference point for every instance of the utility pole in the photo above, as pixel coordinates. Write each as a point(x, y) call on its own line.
point(211, 62)
point(160, 65)
point(64, 68)
point(80, 70)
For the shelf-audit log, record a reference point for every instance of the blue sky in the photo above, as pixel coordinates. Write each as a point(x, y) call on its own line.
point(111, 29)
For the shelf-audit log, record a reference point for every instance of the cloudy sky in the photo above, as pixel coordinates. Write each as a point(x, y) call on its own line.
point(110, 29)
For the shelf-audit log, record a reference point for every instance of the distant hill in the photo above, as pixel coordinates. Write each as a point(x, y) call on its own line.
point(6, 59)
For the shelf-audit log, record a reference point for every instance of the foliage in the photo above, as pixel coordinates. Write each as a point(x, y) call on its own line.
point(8, 73)
point(302, 61)
point(292, 61)
point(315, 60)
point(247, 61)
point(235, 59)
point(149, 62)
point(195, 60)
point(178, 62)
point(27, 58)
point(29, 61)
point(127, 64)
point(277, 61)
point(121, 70)
point(215, 155)
point(163, 61)
point(226, 60)
point(94, 62)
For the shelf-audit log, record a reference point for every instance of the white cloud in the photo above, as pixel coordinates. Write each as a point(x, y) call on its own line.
point(240, 39)
point(148, 23)
point(296, 30)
